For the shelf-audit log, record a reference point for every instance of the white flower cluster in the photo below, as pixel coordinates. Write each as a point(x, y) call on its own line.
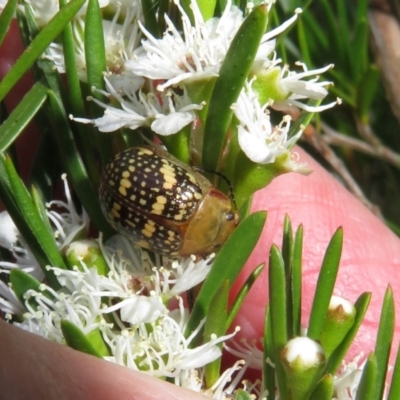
point(149, 80)
point(137, 306)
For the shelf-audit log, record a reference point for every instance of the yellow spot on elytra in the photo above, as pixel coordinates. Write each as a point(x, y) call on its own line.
point(125, 183)
point(142, 202)
point(161, 199)
point(115, 213)
point(145, 151)
point(167, 185)
point(131, 168)
point(125, 174)
point(122, 191)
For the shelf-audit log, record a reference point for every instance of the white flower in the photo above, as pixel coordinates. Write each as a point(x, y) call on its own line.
point(347, 381)
point(161, 349)
point(120, 40)
point(166, 113)
point(261, 142)
point(195, 54)
point(68, 224)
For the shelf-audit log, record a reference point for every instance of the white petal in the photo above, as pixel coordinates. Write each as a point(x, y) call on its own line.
point(8, 230)
point(142, 309)
point(172, 123)
point(254, 147)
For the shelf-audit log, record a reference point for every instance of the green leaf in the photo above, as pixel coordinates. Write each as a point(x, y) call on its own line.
point(95, 55)
point(278, 312)
point(338, 355)
point(384, 342)
point(367, 384)
point(367, 92)
point(45, 170)
point(244, 290)
point(207, 8)
point(325, 285)
point(324, 389)
point(41, 209)
point(216, 325)
point(297, 281)
point(227, 265)
point(32, 222)
point(22, 115)
point(287, 255)
point(74, 166)
point(6, 17)
point(21, 282)
point(77, 340)
point(83, 136)
point(39, 45)
point(394, 390)
point(268, 377)
point(95, 337)
point(150, 17)
point(232, 76)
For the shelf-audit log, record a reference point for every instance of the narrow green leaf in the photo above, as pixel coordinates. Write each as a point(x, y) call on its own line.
point(45, 170)
point(367, 92)
point(304, 43)
point(394, 390)
point(39, 45)
point(244, 290)
point(367, 384)
point(338, 355)
point(268, 377)
point(360, 50)
point(384, 342)
point(325, 285)
point(27, 232)
point(216, 325)
point(33, 220)
point(277, 309)
point(207, 8)
point(227, 265)
point(74, 166)
point(150, 17)
point(287, 255)
point(41, 209)
point(297, 281)
point(324, 389)
point(95, 337)
point(95, 55)
point(232, 76)
point(22, 282)
point(82, 135)
point(6, 17)
point(77, 340)
point(22, 115)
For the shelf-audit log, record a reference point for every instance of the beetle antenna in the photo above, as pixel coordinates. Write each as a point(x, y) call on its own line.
point(224, 177)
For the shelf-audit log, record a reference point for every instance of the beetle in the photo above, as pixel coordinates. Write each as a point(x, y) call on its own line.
point(164, 205)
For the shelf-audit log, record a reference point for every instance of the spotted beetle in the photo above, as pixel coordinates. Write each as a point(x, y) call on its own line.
point(164, 205)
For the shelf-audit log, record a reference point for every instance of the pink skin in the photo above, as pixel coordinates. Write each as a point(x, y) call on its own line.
point(41, 369)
